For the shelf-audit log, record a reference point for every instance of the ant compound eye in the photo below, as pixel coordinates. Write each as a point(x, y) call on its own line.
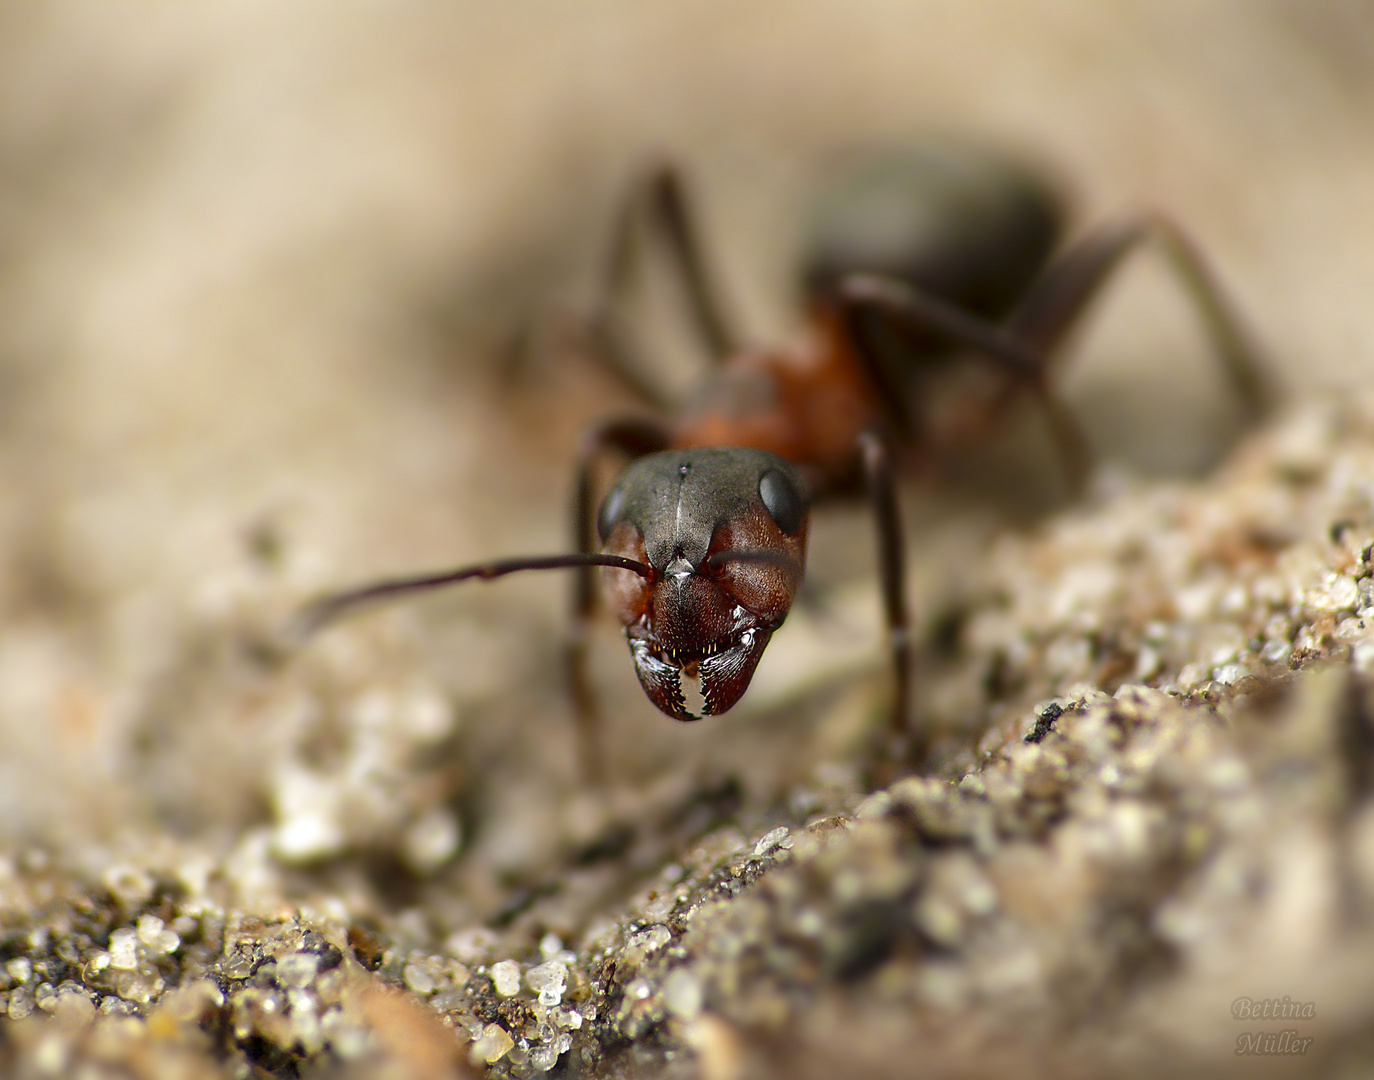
point(784, 501)
point(610, 513)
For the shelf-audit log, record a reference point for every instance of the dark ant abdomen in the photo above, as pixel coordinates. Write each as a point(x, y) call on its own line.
point(948, 218)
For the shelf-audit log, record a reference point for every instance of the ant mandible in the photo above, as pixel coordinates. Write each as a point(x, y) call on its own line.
point(934, 252)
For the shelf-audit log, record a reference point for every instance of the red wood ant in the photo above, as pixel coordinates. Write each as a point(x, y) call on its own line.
point(935, 253)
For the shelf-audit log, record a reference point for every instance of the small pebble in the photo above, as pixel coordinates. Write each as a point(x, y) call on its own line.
point(682, 994)
point(297, 970)
point(651, 939)
point(548, 980)
point(491, 1046)
point(505, 976)
point(420, 978)
point(124, 949)
point(550, 945)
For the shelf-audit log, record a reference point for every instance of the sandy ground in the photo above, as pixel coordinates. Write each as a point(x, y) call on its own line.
point(260, 266)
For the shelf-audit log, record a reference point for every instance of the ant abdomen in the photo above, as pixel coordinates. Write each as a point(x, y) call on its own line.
point(947, 217)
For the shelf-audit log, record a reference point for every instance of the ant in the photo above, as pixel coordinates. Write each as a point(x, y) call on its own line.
point(919, 262)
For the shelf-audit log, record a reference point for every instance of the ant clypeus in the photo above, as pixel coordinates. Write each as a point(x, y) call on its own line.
point(932, 252)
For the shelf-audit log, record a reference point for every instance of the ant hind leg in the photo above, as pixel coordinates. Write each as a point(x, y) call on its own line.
point(656, 208)
point(1070, 283)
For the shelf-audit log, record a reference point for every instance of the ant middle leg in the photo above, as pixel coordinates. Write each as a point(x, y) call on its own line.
point(881, 487)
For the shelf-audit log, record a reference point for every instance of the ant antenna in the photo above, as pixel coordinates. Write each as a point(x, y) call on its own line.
point(331, 608)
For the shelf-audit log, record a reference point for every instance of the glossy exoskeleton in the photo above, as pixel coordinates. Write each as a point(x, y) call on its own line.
point(934, 252)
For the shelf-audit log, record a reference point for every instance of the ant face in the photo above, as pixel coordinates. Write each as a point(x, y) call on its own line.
point(723, 532)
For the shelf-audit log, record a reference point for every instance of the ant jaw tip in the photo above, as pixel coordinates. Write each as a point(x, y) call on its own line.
point(660, 680)
point(723, 675)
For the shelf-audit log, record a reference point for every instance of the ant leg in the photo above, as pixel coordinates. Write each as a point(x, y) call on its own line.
point(669, 210)
point(657, 206)
point(921, 313)
point(1069, 284)
point(634, 437)
point(882, 493)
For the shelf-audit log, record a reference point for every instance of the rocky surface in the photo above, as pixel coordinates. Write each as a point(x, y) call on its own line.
point(1170, 814)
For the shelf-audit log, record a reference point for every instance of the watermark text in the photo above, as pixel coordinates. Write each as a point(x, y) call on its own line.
point(1284, 1008)
point(1275, 1043)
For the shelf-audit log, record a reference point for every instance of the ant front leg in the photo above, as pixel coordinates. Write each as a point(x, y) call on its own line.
point(634, 438)
point(881, 486)
point(655, 208)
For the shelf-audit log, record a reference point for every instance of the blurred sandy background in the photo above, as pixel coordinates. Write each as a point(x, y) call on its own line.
point(259, 261)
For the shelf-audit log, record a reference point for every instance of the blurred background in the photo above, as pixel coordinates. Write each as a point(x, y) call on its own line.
point(262, 263)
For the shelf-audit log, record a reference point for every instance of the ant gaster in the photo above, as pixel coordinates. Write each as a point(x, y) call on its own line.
point(935, 252)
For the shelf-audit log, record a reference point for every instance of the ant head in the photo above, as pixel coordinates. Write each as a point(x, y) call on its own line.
point(944, 216)
point(723, 531)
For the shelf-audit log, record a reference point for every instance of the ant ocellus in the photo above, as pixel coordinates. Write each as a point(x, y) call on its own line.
point(932, 253)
